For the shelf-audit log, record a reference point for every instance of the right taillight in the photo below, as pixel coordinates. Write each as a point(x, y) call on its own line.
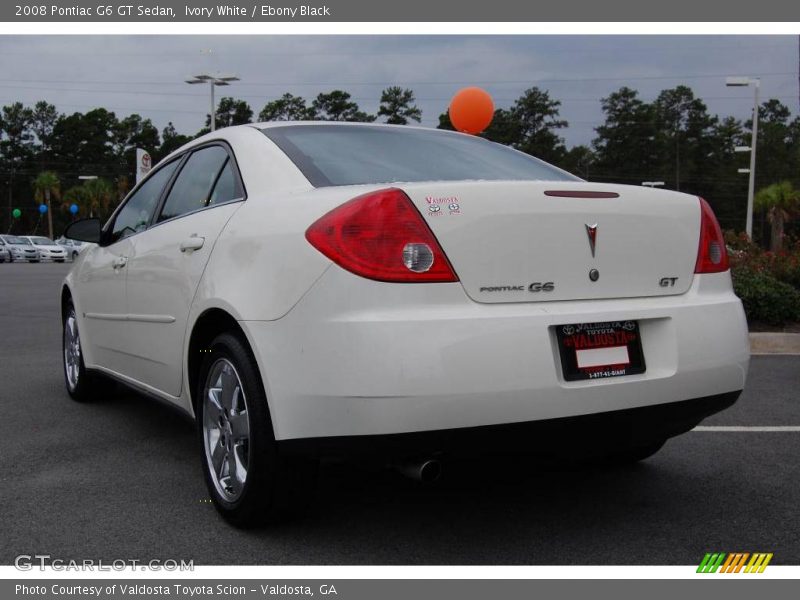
point(712, 257)
point(382, 236)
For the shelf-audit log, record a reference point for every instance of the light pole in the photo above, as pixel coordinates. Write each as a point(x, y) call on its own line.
point(212, 81)
point(756, 83)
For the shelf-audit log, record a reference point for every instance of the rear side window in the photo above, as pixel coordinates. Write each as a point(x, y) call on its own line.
point(197, 183)
point(358, 154)
point(226, 188)
point(135, 216)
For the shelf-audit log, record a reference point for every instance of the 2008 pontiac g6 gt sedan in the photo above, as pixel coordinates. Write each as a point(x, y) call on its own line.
point(312, 290)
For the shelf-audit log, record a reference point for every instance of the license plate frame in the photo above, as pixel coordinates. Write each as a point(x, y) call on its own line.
point(583, 348)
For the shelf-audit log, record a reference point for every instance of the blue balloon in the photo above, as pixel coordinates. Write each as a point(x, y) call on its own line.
point(43, 208)
point(73, 209)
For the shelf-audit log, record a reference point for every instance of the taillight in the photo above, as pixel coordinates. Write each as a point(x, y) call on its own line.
point(712, 257)
point(382, 236)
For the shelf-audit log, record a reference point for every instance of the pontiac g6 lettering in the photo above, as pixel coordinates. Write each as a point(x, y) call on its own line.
point(288, 286)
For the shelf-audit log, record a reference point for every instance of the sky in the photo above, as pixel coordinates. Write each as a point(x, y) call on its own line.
point(145, 74)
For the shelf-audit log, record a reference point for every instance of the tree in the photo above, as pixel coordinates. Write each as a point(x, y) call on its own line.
point(683, 140)
point(625, 142)
point(171, 140)
point(87, 144)
point(135, 132)
point(535, 115)
point(397, 105)
point(47, 185)
point(231, 112)
point(286, 108)
point(94, 197)
point(579, 160)
point(503, 129)
point(781, 201)
point(43, 120)
point(16, 145)
point(337, 106)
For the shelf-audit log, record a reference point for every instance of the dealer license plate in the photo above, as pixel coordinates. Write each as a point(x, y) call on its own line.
point(600, 350)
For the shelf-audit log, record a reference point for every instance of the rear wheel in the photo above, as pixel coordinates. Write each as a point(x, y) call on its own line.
point(250, 482)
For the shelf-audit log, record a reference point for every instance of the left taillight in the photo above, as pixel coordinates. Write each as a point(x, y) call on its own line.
point(382, 236)
point(712, 256)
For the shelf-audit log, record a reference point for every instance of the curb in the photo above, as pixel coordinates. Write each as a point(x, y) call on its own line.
point(774, 343)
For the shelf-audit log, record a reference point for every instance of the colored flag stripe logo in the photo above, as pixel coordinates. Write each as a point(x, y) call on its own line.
point(734, 562)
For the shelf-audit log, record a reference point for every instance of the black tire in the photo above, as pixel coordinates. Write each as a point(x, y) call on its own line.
point(11, 258)
point(88, 386)
point(275, 486)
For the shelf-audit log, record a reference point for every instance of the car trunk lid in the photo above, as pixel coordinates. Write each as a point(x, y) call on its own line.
point(545, 241)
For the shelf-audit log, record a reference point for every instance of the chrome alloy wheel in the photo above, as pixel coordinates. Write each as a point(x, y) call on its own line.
point(226, 429)
point(72, 351)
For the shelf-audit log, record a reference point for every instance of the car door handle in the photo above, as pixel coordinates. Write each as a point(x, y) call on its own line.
point(119, 262)
point(192, 243)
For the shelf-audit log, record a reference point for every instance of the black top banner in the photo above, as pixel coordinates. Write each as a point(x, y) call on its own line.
point(408, 10)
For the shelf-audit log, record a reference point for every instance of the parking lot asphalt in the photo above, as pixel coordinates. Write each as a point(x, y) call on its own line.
point(121, 479)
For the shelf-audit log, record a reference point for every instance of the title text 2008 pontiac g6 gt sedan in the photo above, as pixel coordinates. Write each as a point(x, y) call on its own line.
point(308, 290)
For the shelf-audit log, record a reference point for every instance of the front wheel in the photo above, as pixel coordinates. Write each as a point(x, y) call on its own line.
point(250, 482)
point(81, 384)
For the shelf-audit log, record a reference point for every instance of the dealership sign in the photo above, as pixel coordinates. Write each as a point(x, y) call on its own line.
point(143, 164)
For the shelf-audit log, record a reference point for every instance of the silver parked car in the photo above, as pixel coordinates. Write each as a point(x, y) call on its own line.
point(21, 248)
point(48, 249)
point(5, 255)
point(72, 247)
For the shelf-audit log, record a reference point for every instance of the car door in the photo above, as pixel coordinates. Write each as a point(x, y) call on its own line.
point(167, 262)
point(102, 275)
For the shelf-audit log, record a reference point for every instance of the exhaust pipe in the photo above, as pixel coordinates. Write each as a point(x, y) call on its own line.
point(426, 470)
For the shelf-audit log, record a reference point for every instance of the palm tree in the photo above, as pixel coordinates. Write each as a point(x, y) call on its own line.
point(94, 197)
point(47, 185)
point(99, 194)
point(782, 202)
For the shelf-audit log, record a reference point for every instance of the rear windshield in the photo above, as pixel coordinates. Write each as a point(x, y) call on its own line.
point(349, 155)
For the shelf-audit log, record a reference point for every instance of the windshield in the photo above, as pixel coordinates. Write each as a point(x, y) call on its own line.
point(12, 239)
point(331, 155)
point(43, 241)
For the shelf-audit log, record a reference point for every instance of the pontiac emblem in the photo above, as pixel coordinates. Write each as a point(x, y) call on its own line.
point(591, 231)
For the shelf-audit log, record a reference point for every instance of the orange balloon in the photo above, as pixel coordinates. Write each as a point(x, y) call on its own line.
point(471, 110)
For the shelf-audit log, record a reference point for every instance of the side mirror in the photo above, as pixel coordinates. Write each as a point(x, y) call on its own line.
point(84, 230)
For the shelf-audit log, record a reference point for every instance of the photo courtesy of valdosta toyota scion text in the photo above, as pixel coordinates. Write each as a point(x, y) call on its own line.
point(397, 300)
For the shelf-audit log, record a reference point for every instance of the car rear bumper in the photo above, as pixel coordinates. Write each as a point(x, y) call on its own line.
point(361, 358)
point(583, 435)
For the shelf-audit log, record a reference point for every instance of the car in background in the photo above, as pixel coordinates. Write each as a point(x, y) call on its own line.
point(5, 255)
point(48, 249)
point(72, 247)
point(20, 248)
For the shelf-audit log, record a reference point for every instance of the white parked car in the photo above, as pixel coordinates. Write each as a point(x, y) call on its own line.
point(317, 289)
point(48, 249)
point(72, 247)
point(20, 249)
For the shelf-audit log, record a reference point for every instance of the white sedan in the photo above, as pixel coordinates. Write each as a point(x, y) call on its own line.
point(48, 249)
point(307, 290)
